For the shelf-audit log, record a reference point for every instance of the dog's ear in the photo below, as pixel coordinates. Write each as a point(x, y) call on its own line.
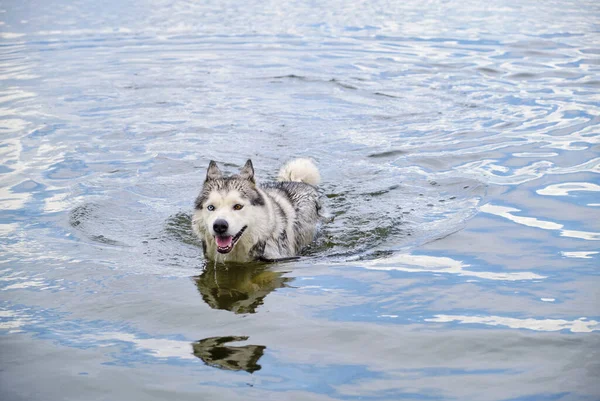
point(213, 172)
point(247, 172)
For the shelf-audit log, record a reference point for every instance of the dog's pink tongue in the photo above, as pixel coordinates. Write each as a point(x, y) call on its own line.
point(224, 242)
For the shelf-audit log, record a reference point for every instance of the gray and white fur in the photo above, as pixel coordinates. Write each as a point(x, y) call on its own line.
point(240, 221)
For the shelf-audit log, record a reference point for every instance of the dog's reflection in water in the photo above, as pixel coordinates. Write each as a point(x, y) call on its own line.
point(238, 288)
point(214, 353)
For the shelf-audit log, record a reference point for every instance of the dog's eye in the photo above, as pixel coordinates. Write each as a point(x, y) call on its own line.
point(210, 208)
point(238, 207)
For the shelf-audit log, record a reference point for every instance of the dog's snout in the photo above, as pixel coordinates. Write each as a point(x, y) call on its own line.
point(220, 226)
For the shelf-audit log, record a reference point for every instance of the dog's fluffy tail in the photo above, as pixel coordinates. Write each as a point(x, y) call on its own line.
point(300, 170)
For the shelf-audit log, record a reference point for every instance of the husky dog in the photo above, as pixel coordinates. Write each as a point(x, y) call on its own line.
point(239, 221)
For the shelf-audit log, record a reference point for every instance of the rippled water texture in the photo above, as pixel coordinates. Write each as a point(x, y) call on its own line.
point(459, 148)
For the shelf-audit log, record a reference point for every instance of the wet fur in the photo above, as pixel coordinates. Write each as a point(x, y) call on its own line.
point(280, 217)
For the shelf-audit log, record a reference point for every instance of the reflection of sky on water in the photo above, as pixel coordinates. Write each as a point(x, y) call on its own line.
point(564, 189)
point(581, 325)
point(582, 255)
point(467, 151)
point(506, 212)
point(432, 264)
point(330, 369)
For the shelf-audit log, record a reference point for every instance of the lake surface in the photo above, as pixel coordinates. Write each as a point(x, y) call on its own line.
point(459, 145)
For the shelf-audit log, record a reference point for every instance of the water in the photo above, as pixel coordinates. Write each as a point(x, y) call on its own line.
point(459, 148)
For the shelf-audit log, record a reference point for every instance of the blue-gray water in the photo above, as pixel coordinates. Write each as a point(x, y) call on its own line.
point(459, 148)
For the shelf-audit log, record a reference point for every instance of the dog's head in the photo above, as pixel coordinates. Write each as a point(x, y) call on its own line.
point(228, 209)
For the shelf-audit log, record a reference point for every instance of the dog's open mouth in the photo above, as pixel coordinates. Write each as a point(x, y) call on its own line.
point(225, 243)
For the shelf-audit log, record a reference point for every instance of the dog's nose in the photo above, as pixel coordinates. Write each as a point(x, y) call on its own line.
point(220, 226)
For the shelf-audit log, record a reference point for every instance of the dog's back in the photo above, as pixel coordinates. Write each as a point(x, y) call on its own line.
point(296, 204)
